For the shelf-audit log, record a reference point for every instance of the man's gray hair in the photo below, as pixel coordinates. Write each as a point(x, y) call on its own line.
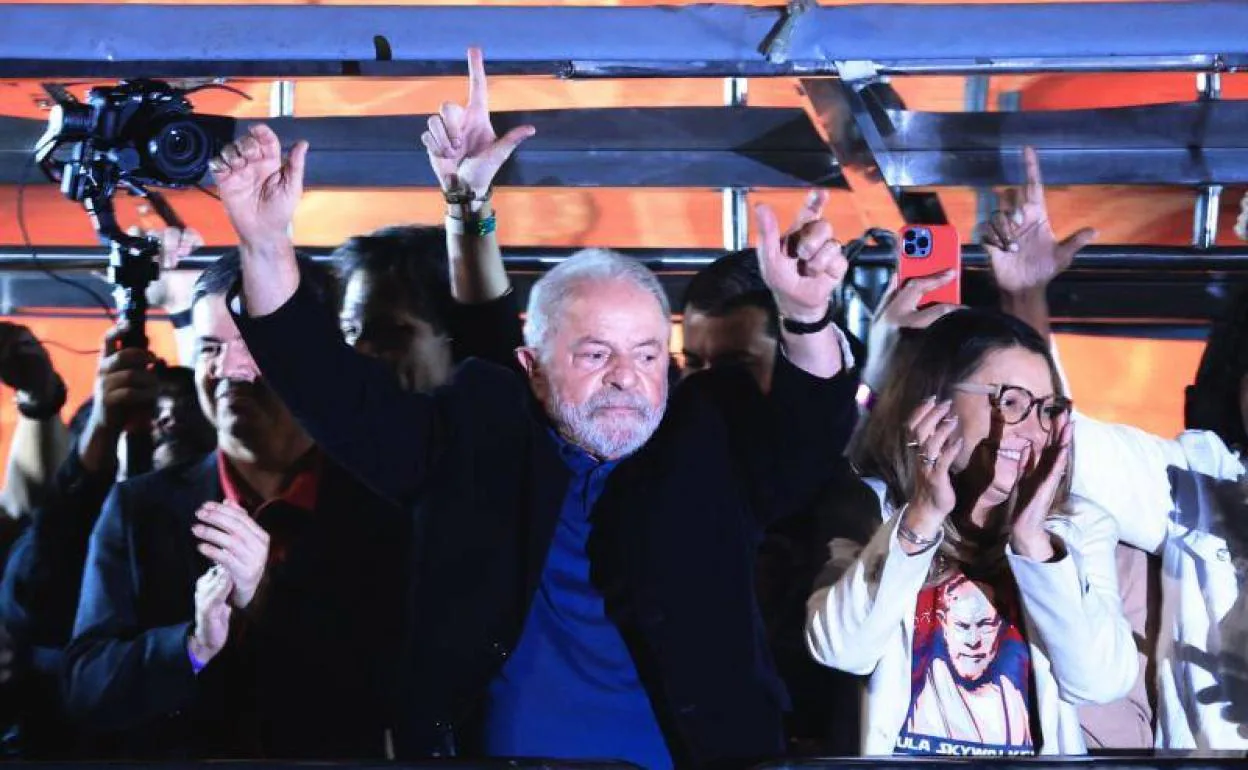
point(553, 290)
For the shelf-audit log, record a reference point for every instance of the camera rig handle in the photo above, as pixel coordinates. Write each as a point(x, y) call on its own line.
point(132, 267)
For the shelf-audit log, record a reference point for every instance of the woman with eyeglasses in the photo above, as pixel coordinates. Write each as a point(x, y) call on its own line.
point(985, 608)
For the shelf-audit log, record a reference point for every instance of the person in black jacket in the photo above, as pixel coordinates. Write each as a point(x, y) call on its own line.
point(581, 589)
point(730, 319)
point(230, 608)
point(39, 593)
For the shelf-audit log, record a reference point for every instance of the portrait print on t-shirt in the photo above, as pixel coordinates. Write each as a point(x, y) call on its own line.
point(970, 689)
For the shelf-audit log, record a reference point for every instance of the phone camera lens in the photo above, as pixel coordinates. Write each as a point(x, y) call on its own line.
point(909, 249)
point(923, 242)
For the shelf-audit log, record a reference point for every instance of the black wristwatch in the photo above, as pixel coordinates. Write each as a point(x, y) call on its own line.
point(801, 327)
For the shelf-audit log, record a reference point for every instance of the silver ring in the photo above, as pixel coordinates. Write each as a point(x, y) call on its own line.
point(914, 444)
point(928, 461)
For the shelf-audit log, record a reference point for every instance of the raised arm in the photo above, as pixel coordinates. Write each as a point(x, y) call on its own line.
point(466, 155)
point(802, 267)
point(1025, 254)
point(352, 406)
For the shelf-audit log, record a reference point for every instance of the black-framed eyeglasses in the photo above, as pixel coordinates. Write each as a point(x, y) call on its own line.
point(1015, 403)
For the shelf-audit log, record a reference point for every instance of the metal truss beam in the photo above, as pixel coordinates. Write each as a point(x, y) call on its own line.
point(834, 107)
point(645, 147)
point(1108, 286)
point(111, 41)
point(1191, 143)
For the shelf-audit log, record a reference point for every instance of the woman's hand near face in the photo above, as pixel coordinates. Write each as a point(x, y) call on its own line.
point(936, 441)
point(1038, 489)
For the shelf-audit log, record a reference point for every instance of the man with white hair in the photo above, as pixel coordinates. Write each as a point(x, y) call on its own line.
point(583, 581)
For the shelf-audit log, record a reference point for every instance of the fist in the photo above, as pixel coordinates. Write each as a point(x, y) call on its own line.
point(126, 386)
point(24, 362)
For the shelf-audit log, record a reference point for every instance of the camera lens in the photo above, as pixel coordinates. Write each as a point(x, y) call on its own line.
point(909, 249)
point(923, 242)
point(910, 236)
point(179, 152)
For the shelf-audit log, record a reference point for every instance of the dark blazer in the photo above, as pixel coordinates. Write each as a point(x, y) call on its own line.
point(306, 677)
point(675, 536)
point(38, 599)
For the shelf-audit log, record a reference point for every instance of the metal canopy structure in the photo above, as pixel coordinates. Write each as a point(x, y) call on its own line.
point(111, 41)
point(652, 147)
point(854, 131)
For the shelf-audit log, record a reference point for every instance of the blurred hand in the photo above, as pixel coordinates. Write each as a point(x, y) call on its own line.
point(899, 309)
point(259, 189)
point(172, 290)
point(464, 150)
point(24, 363)
point(212, 614)
point(1024, 253)
point(235, 542)
point(803, 266)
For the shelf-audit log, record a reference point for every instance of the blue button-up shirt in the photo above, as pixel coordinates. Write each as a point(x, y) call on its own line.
point(571, 690)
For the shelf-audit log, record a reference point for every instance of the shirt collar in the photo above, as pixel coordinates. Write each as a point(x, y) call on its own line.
point(300, 489)
point(578, 460)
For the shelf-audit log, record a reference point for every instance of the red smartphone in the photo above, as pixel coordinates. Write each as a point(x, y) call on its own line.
point(927, 250)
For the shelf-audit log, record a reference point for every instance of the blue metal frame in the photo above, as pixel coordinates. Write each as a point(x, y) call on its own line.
point(695, 41)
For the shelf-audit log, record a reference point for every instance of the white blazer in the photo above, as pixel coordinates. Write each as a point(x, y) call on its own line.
point(1082, 650)
point(1182, 499)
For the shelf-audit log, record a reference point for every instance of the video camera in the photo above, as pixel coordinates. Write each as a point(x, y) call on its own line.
point(136, 134)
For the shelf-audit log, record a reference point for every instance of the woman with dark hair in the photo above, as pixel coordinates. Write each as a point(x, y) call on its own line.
point(986, 607)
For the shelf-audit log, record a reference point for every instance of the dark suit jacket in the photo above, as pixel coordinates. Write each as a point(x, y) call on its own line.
point(675, 534)
point(306, 677)
point(38, 599)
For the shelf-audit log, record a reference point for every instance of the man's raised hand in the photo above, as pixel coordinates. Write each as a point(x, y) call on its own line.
point(464, 150)
point(803, 266)
point(259, 188)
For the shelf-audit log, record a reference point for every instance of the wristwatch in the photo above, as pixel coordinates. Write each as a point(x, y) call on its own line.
point(461, 196)
point(793, 326)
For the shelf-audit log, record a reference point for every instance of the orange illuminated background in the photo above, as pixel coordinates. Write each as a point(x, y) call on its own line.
point(1135, 381)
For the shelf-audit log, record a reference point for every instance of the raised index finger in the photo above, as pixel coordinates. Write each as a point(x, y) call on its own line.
point(478, 91)
point(1034, 190)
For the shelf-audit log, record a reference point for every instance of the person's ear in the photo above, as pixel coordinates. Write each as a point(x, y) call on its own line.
point(528, 359)
point(531, 362)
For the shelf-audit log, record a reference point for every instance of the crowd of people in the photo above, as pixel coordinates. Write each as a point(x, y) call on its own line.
point(392, 517)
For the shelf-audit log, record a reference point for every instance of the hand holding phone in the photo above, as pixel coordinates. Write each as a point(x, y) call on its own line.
point(926, 250)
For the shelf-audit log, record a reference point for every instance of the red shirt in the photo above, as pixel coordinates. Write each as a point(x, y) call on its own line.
point(299, 495)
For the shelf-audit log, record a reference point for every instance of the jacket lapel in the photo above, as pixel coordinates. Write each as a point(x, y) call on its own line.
point(200, 482)
point(548, 479)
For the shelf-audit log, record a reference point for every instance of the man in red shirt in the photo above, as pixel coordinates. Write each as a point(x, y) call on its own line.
point(228, 609)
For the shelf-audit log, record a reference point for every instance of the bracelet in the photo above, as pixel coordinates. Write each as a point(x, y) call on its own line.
point(911, 537)
point(477, 227)
point(461, 196)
